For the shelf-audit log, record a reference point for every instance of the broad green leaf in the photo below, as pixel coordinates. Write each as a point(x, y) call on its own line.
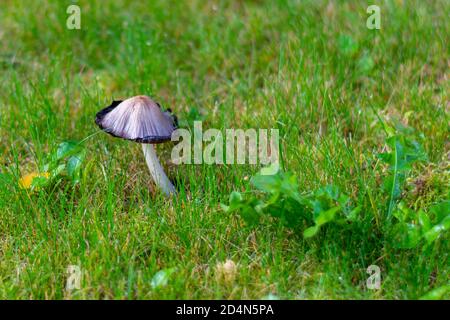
point(326, 216)
point(269, 183)
point(57, 170)
point(161, 278)
point(401, 212)
point(235, 198)
point(343, 200)
point(406, 235)
point(440, 210)
point(235, 202)
point(393, 184)
point(331, 191)
point(318, 207)
point(74, 164)
point(436, 294)
point(353, 215)
point(281, 185)
point(311, 231)
point(424, 220)
point(289, 187)
point(386, 157)
point(65, 149)
point(272, 169)
point(250, 215)
point(437, 230)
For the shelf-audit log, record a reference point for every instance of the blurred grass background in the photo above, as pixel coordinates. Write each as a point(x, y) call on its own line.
point(309, 68)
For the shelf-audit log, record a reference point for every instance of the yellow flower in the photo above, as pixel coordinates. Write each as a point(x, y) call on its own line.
point(26, 181)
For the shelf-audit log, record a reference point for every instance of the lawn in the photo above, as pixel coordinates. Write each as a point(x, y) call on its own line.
point(364, 145)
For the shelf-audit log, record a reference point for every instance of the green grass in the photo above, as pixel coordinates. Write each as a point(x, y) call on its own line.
point(289, 65)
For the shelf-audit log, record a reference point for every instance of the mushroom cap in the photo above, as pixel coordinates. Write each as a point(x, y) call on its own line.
point(138, 119)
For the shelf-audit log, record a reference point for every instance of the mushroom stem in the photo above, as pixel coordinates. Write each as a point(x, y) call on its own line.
point(156, 169)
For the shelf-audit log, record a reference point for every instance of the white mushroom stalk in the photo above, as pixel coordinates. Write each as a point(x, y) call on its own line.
point(156, 170)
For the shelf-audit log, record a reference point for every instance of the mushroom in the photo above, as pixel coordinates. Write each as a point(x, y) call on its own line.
point(140, 119)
